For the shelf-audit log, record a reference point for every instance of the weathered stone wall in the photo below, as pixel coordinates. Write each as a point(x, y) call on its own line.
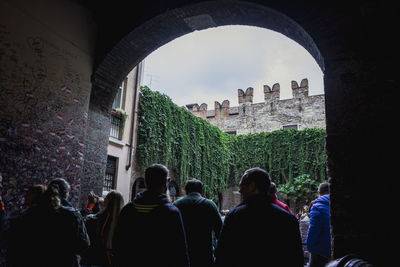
point(302, 110)
point(44, 97)
point(230, 198)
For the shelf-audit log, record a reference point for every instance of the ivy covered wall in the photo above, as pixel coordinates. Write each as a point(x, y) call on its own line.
point(191, 147)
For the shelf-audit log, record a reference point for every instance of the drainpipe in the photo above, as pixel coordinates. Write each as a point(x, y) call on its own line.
point(127, 167)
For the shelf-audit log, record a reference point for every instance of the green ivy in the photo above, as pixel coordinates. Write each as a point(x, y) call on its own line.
point(302, 189)
point(191, 147)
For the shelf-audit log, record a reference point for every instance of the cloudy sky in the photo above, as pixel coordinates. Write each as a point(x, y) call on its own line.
point(210, 65)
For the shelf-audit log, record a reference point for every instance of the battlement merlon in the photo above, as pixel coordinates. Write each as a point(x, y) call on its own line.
point(203, 107)
point(221, 110)
point(198, 111)
point(245, 97)
point(273, 93)
point(300, 91)
point(192, 107)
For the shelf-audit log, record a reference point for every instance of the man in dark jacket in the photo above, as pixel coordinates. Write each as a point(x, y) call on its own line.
point(200, 218)
point(319, 235)
point(257, 232)
point(47, 234)
point(150, 230)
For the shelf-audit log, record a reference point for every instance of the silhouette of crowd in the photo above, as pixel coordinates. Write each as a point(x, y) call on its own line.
point(152, 231)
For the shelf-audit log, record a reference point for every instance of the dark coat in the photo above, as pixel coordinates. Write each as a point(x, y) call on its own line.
point(200, 218)
point(47, 237)
point(150, 233)
point(97, 254)
point(258, 233)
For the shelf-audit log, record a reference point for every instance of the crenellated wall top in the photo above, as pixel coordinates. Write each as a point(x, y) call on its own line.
point(270, 94)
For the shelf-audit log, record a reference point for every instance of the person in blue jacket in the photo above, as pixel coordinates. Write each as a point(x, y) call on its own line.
point(318, 239)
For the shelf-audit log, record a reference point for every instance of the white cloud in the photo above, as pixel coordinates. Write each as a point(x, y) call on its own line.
point(210, 65)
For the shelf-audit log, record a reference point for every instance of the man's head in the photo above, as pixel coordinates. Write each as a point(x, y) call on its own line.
point(63, 186)
point(34, 193)
point(255, 181)
point(323, 189)
point(156, 177)
point(194, 185)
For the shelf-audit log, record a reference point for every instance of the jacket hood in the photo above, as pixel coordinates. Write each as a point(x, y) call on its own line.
point(322, 200)
point(147, 201)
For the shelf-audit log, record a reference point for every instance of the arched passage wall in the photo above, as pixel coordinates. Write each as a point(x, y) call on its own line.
point(337, 36)
point(360, 81)
point(146, 37)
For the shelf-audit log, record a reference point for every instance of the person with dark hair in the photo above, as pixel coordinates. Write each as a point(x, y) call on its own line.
point(33, 195)
point(150, 231)
point(101, 228)
point(201, 219)
point(275, 200)
point(318, 239)
point(257, 232)
point(48, 234)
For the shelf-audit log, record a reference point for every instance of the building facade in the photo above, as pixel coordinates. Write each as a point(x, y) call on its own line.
point(300, 112)
point(121, 143)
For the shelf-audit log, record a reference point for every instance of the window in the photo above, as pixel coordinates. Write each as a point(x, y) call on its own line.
point(116, 118)
point(231, 132)
point(115, 127)
point(118, 98)
point(287, 127)
point(111, 171)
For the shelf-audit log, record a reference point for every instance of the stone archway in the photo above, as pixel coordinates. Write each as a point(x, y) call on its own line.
point(337, 37)
point(345, 38)
point(140, 41)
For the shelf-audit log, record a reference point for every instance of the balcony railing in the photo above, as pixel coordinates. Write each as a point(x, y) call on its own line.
point(111, 168)
point(115, 130)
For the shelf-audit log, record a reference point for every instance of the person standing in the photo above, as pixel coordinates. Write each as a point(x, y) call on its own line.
point(318, 239)
point(201, 219)
point(304, 222)
point(33, 195)
point(150, 231)
point(93, 205)
point(101, 227)
point(63, 188)
point(257, 232)
point(48, 234)
point(275, 200)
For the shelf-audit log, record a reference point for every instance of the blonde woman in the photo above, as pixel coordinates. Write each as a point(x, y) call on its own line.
point(101, 228)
